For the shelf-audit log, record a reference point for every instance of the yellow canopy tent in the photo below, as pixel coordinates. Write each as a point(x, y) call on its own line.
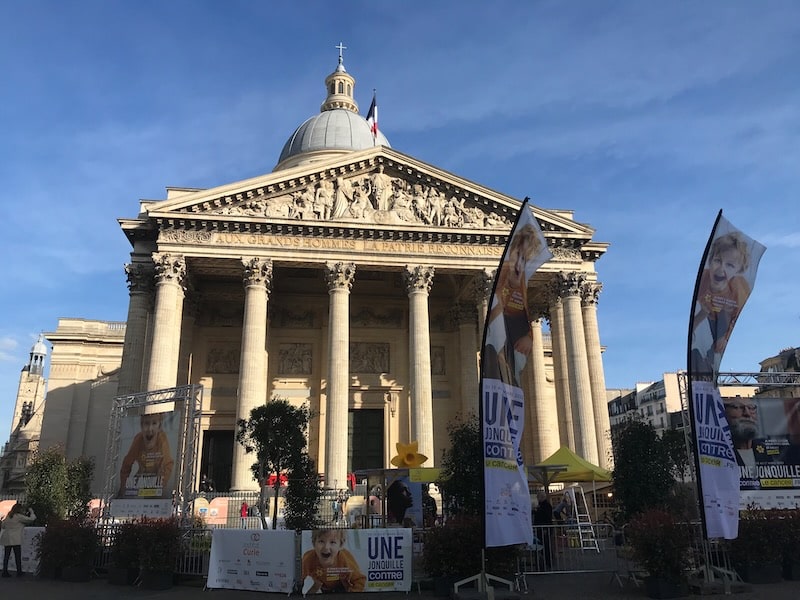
point(566, 466)
point(578, 469)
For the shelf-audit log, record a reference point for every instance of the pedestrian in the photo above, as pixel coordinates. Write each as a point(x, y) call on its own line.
point(243, 514)
point(11, 536)
point(543, 525)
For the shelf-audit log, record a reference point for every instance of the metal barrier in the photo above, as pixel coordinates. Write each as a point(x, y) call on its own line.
point(557, 549)
point(565, 549)
point(193, 555)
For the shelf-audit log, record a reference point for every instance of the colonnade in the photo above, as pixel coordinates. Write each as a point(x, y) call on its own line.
point(575, 414)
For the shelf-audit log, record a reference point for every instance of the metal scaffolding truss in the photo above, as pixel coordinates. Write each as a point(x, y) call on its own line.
point(764, 381)
point(187, 401)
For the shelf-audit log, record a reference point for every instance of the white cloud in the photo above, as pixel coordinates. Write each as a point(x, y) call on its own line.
point(8, 348)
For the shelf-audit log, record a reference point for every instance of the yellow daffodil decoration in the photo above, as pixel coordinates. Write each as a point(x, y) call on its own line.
point(407, 455)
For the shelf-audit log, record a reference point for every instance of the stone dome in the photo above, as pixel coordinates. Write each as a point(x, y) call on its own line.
point(332, 131)
point(337, 129)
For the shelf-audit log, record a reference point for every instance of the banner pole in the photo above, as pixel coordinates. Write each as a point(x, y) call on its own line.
point(690, 379)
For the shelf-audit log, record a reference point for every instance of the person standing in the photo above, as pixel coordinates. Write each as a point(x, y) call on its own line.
point(243, 514)
point(543, 522)
point(11, 536)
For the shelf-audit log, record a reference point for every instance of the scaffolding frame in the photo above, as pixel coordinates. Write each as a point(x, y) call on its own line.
point(187, 400)
point(716, 565)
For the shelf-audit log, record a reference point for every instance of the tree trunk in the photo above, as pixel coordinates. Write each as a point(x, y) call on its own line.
point(275, 503)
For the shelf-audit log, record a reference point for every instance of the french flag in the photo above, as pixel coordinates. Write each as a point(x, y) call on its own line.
point(372, 116)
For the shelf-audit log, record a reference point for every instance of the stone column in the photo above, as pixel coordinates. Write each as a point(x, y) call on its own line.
point(561, 371)
point(418, 285)
point(191, 309)
point(170, 278)
point(468, 358)
point(580, 389)
point(253, 361)
point(339, 276)
point(544, 428)
point(590, 293)
point(140, 287)
point(483, 289)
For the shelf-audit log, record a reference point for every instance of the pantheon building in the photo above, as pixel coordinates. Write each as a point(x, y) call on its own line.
point(353, 279)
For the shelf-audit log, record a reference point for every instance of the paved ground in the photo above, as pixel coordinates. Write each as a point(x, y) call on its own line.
point(547, 587)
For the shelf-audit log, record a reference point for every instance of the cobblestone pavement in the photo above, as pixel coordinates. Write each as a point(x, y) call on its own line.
point(547, 587)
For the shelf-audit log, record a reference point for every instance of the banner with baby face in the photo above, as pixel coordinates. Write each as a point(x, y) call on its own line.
point(356, 560)
point(147, 464)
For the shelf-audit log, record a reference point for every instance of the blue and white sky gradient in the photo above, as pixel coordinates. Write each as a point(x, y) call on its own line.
point(643, 117)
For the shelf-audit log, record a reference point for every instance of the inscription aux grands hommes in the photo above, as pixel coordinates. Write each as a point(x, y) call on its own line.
point(319, 243)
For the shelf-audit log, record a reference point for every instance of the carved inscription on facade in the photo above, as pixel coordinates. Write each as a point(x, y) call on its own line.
point(367, 357)
point(294, 359)
point(376, 246)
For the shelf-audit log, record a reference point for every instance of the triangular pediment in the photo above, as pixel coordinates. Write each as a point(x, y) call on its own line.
point(377, 187)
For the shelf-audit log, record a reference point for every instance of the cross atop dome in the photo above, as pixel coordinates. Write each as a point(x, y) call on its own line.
point(341, 47)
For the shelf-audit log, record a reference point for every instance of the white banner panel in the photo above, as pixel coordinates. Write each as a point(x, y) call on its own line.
point(718, 470)
point(134, 508)
point(507, 344)
point(356, 560)
point(261, 560)
point(30, 562)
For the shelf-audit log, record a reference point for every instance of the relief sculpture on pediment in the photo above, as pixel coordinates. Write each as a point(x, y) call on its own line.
point(372, 198)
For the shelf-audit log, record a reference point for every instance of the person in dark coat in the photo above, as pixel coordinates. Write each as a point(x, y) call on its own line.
point(543, 521)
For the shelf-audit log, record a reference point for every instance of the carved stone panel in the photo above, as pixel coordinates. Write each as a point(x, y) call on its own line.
point(369, 357)
point(367, 317)
point(438, 364)
point(294, 359)
point(223, 358)
point(375, 197)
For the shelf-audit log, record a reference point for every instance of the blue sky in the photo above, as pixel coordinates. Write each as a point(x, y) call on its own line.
point(643, 117)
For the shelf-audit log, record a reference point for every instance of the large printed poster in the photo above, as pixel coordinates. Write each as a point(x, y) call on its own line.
point(356, 560)
point(766, 441)
point(260, 560)
point(507, 344)
point(147, 465)
point(723, 286)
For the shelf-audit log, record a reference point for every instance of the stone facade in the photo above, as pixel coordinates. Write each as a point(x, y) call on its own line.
point(357, 283)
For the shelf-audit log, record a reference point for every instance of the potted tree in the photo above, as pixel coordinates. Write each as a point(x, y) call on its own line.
point(124, 567)
point(757, 552)
point(791, 547)
point(159, 546)
point(661, 545)
point(453, 552)
point(67, 549)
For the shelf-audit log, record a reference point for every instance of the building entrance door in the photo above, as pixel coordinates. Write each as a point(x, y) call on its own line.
point(217, 458)
point(365, 439)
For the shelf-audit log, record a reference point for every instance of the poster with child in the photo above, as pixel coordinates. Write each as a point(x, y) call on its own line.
point(356, 560)
point(146, 464)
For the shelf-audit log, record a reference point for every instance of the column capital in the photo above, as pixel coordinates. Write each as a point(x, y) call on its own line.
point(340, 275)
point(568, 283)
point(257, 272)
point(590, 293)
point(170, 268)
point(140, 277)
point(418, 278)
point(483, 285)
